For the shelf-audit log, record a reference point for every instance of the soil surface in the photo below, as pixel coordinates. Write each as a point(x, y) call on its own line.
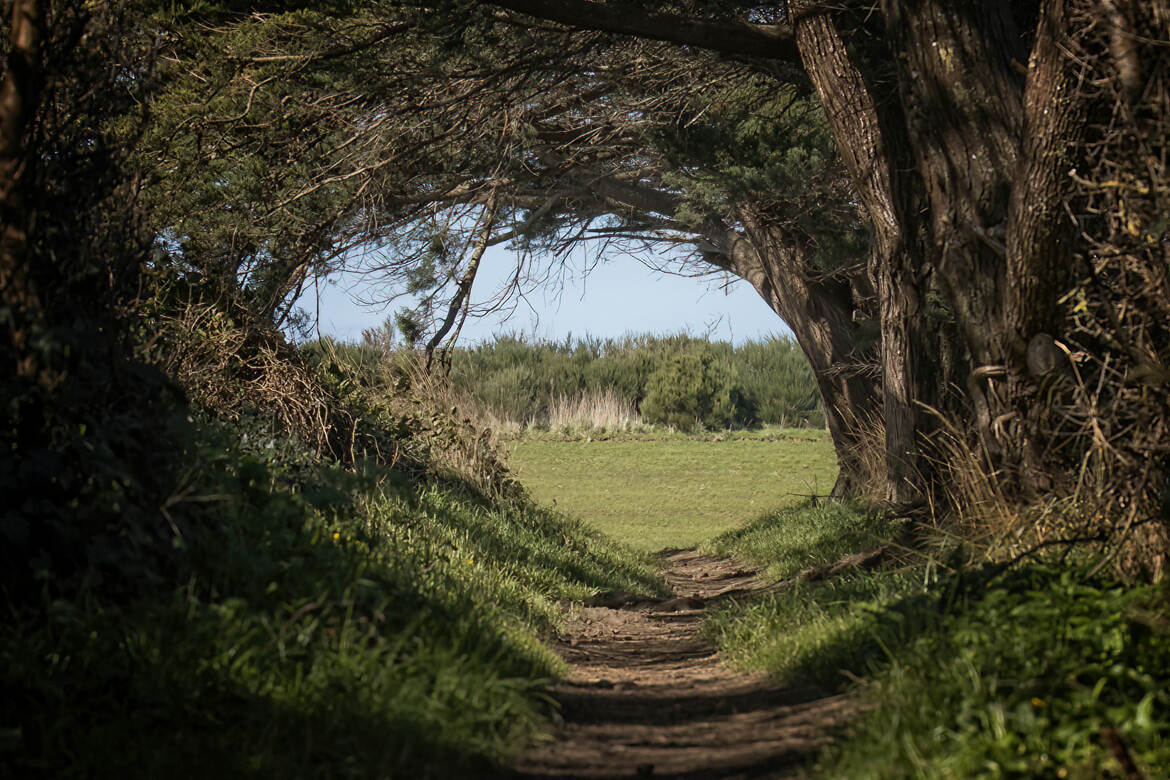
point(647, 697)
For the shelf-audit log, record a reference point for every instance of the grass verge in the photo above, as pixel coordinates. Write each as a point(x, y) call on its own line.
point(331, 624)
point(784, 543)
point(1038, 672)
point(1033, 671)
point(809, 633)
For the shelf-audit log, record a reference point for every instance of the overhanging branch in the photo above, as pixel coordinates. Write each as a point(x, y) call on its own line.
point(771, 41)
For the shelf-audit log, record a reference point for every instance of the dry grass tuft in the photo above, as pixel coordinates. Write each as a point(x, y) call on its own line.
point(598, 410)
point(234, 370)
point(868, 450)
point(457, 442)
point(1091, 515)
point(349, 404)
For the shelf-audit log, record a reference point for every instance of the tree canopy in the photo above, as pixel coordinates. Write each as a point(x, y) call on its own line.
point(957, 207)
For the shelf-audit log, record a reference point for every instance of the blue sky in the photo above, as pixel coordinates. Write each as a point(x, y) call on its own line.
point(612, 299)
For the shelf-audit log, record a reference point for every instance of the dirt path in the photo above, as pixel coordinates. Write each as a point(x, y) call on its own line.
point(648, 698)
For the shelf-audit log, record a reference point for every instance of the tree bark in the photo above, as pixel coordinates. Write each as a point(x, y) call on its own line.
point(896, 271)
point(1041, 234)
point(19, 96)
point(995, 199)
point(818, 309)
point(958, 69)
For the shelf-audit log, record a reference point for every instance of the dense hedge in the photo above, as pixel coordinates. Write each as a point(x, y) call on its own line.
point(765, 382)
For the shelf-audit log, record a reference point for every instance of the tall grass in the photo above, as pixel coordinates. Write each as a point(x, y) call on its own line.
point(1085, 518)
point(603, 410)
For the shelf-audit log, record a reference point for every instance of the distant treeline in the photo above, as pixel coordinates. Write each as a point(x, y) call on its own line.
point(679, 380)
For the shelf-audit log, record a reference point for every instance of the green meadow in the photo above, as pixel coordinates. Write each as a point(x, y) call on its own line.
point(657, 491)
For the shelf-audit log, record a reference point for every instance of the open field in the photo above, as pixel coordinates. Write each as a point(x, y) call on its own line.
point(671, 491)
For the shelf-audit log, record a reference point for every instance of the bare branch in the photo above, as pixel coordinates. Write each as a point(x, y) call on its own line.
point(463, 290)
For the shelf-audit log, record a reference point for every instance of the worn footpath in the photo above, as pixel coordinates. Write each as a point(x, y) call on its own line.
point(647, 697)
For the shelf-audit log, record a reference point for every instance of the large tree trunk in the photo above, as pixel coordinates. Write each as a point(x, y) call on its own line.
point(996, 224)
point(1041, 234)
point(819, 310)
point(963, 100)
point(906, 354)
point(962, 97)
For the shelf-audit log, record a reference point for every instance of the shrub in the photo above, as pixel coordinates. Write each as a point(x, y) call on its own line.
point(690, 390)
point(518, 382)
point(777, 384)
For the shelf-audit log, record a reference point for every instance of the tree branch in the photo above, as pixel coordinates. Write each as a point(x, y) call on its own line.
point(771, 41)
point(463, 290)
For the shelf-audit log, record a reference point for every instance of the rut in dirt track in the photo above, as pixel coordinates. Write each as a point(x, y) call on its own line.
point(647, 697)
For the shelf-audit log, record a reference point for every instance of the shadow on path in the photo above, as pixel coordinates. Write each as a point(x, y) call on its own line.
point(648, 698)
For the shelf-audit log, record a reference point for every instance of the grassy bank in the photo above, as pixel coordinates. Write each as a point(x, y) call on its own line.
point(962, 669)
point(375, 605)
point(656, 491)
point(335, 625)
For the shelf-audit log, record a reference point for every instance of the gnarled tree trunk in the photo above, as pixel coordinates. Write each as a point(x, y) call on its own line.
point(818, 307)
point(1040, 235)
point(909, 368)
point(20, 93)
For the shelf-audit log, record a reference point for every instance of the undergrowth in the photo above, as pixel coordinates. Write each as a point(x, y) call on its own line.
point(962, 669)
point(332, 624)
point(1042, 671)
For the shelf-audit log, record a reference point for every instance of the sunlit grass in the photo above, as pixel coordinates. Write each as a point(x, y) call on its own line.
point(668, 490)
point(814, 634)
point(960, 669)
point(786, 542)
point(807, 633)
point(1039, 672)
